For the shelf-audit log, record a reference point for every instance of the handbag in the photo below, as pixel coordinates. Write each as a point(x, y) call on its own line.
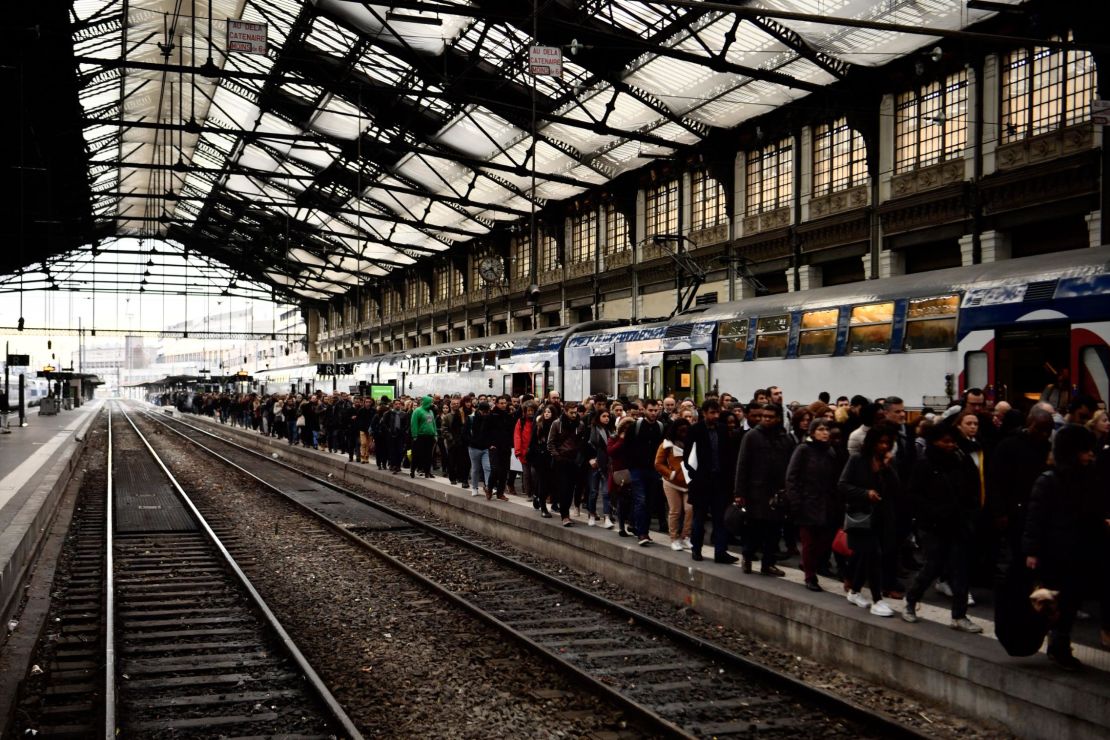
point(840, 544)
point(300, 421)
point(622, 478)
point(858, 520)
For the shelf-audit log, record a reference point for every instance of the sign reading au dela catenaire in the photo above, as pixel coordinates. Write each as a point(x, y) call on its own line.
point(246, 37)
point(545, 61)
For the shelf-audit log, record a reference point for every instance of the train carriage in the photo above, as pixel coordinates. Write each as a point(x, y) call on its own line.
point(1006, 327)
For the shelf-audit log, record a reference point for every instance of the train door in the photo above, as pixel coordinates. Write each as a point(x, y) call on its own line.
point(601, 374)
point(1027, 360)
point(517, 384)
point(686, 374)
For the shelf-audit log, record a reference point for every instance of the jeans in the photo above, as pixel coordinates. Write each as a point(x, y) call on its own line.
point(640, 481)
point(567, 475)
point(599, 484)
point(943, 554)
point(479, 464)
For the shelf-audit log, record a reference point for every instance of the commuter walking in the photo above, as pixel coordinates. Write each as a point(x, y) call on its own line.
point(705, 474)
point(668, 463)
point(478, 445)
point(564, 444)
point(944, 497)
point(761, 487)
point(424, 432)
point(815, 505)
point(867, 483)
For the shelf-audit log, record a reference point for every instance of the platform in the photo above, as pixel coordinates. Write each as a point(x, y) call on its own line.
point(36, 462)
point(971, 673)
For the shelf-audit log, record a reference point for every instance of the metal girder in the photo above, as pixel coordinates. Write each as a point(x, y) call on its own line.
point(836, 67)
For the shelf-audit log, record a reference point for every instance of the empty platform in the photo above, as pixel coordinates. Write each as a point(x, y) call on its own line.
point(36, 463)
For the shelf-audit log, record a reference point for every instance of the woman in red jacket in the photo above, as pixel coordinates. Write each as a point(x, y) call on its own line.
point(522, 439)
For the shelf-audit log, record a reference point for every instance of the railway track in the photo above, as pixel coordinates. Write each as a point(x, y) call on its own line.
point(187, 647)
point(674, 682)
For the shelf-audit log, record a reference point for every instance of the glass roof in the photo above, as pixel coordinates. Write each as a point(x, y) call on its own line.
point(370, 135)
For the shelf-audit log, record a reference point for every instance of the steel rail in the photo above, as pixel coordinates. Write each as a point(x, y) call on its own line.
point(314, 680)
point(645, 714)
point(109, 604)
point(881, 722)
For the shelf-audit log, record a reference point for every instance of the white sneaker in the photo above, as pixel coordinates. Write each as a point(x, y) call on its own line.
point(859, 599)
point(881, 609)
point(474, 492)
point(970, 599)
point(676, 545)
point(608, 523)
point(592, 521)
point(687, 544)
point(943, 588)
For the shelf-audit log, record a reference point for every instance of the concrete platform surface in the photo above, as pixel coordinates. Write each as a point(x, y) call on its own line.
point(971, 673)
point(36, 463)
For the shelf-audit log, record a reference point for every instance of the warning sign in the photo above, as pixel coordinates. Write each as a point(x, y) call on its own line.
point(248, 38)
point(1100, 112)
point(545, 61)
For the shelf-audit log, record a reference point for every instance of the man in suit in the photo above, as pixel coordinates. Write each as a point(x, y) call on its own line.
point(705, 474)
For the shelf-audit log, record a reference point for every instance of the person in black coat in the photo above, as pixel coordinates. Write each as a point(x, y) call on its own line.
point(869, 485)
point(1017, 463)
point(815, 504)
point(705, 472)
point(761, 487)
point(944, 498)
point(1063, 508)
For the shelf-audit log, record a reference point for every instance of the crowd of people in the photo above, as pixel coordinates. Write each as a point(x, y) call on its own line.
point(889, 508)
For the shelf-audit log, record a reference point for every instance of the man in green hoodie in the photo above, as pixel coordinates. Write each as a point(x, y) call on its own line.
point(424, 432)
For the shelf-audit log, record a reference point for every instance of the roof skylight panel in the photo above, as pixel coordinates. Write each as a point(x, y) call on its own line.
point(331, 37)
point(583, 139)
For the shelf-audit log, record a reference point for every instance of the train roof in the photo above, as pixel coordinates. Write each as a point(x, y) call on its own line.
point(1071, 264)
point(535, 338)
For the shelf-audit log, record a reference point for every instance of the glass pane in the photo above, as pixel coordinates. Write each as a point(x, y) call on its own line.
point(869, 338)
point(773, 323)
point(932, 334)
point(817, 342)
point(925, 308)
point(729, 348)
point(873, 313)
point(733, 328)
point(976, 370)
point(631, 391)
point(770, 345)
point(819, 319)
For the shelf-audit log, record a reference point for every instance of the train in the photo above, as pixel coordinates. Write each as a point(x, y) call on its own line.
point(34, 390)
point(1009, 327)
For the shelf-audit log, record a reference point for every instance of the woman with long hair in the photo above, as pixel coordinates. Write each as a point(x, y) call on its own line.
point(598, 474)
point(869, 485)
point(618, 462)
point(541, 458)
point(668, 463)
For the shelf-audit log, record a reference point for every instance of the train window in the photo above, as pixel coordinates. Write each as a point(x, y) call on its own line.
point(732, 340)
point(931, 323)
point(976, 370)
point(870, 327)
point(818, 332)
point(491, 361)
point(628, 383)
point(771, 335)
